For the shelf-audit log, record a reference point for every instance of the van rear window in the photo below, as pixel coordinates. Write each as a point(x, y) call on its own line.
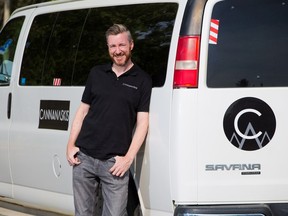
point(62, 47)
point(249, 44)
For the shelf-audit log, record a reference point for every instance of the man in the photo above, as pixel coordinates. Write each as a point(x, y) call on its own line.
point(102, 145)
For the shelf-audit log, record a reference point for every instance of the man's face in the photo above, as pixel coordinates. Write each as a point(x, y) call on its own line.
point(119, 48)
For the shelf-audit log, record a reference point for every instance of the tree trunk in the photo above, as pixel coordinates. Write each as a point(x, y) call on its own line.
point(7, 9)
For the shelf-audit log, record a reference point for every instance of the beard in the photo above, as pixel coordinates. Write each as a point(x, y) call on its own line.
point(121, 59)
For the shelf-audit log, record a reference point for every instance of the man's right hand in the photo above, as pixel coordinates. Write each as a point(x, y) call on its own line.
point(71, 155)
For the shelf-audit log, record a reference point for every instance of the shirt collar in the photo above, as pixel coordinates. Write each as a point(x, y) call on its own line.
point(131, 72)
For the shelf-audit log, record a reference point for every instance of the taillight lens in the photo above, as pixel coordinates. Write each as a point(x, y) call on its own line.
point(186, 65)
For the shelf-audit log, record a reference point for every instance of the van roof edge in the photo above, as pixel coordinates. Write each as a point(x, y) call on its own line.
point(43, 4)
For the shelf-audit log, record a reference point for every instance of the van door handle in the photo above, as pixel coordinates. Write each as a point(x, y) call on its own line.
point(9, 105)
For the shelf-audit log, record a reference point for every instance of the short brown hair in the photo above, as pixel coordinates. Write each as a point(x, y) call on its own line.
point(118, 29)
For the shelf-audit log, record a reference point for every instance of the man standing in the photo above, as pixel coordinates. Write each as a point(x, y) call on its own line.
point(102, 145)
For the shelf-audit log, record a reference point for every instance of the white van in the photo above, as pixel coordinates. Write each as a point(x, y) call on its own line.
point(218, 137)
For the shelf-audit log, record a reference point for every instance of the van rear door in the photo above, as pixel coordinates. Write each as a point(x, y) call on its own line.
point(242, 122)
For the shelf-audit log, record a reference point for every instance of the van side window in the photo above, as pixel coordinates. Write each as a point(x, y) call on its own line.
point(251, 45)
point(51, 48)
point(62, 47)
point(8, 43)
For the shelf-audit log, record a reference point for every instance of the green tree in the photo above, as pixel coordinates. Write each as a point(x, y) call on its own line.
point(14, 4)
point(8, 6)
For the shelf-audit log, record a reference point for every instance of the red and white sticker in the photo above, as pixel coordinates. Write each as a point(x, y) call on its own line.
point(214, 26)
point(57, 82)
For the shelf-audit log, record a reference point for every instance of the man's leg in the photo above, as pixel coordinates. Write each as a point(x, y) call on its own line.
point(114, 190)
point(85, 186)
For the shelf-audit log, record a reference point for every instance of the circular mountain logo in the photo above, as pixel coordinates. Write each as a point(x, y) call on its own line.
point(249, 124)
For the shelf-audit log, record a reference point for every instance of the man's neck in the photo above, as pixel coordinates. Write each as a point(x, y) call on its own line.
point(119, 70)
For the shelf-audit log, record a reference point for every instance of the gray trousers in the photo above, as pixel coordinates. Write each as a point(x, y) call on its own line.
point(86, 179)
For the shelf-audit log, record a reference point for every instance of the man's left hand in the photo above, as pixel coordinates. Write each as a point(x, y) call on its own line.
point(121, 166)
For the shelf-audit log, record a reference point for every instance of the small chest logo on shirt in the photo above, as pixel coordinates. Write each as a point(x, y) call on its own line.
point(130, 86)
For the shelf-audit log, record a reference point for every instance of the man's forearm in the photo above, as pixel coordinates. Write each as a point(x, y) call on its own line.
point(139, 134)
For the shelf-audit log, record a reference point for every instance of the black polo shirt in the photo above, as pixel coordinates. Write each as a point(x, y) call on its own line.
point(114, 102)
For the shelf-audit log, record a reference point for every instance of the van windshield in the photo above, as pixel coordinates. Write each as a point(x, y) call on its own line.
point(249, 44)
point(8, 42)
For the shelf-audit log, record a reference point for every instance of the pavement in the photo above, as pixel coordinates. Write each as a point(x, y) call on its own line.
point(8, 212)
point(12, 209)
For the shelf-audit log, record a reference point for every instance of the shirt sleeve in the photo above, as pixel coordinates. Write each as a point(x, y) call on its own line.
point(86, 96)
point(145, 95)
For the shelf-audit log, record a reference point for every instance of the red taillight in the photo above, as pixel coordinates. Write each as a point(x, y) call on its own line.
point(186, 65)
